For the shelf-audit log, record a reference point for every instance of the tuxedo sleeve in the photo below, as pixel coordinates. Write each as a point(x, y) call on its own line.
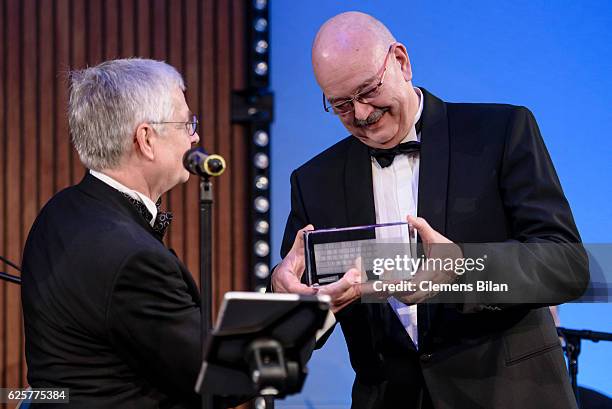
point(295, 222)
point(297, 216)
point(297, 219)
point(155, 323)
point(544, 263)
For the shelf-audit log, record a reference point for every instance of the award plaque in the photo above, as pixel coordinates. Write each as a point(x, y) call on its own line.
point(330, 253)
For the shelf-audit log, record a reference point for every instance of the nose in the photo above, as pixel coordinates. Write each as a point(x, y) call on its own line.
point(362, 110)
point(195, 138)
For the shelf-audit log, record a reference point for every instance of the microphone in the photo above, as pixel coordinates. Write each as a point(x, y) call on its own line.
point(200, 163)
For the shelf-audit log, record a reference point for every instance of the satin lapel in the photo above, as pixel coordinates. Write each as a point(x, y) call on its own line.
point(433, 187)
point(358, 189)
point(434, 163)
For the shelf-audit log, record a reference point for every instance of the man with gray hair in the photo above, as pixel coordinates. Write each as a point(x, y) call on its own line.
point(110, 313)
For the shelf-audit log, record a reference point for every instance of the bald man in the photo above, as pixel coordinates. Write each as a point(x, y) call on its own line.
point(473, 173)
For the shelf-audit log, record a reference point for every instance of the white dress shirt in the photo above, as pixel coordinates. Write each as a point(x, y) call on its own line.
point(396, 196)
point(150, 205)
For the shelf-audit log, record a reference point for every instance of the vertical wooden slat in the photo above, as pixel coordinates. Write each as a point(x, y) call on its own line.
point(78, 52)
point(95, 40)
point(238, 45)
point(143, 22)
point(159, 37)
point(46, 100)
point(3, 181)
point(127, 24)
point(52, 89)
point(224, 259)
point(111, 29)
point(12, 359)
point(61, 69)
point(30, 125)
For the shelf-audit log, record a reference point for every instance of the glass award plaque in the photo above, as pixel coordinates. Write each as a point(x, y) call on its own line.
point(329, 253)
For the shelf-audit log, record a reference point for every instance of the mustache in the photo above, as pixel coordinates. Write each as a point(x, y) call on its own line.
point(371, 119)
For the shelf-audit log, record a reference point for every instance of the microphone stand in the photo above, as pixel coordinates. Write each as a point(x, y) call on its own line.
point(572, 347)
point(206, 206)
point(198, 162)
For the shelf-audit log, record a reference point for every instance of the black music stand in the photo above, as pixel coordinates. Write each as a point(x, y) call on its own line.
point(260, 345)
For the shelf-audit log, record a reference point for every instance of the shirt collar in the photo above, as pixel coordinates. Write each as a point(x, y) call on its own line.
point(150, 205)
point(412, 134)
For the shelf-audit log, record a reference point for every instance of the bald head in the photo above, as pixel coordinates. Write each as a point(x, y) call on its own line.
point(351, 56)
point(348, 40)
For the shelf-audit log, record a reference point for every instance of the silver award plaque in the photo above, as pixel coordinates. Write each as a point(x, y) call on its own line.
point(332, 252)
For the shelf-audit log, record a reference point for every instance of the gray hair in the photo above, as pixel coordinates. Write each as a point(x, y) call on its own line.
point(109, 101)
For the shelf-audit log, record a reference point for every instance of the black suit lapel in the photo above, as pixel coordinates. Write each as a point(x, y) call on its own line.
point(433, 186)
point(358, 186)
point(434, 163)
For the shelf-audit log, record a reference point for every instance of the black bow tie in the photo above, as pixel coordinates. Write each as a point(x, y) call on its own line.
point(162, 221)
point(385, 157)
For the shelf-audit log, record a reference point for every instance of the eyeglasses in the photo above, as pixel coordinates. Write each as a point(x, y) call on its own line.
point(345, 106)
point(191, 126)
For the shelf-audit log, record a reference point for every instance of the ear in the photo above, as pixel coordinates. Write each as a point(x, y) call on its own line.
point(401, 56)
point(143, 141)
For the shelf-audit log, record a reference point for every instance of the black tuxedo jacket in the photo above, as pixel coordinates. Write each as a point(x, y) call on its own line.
point(485, 176)
point(109, 311)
